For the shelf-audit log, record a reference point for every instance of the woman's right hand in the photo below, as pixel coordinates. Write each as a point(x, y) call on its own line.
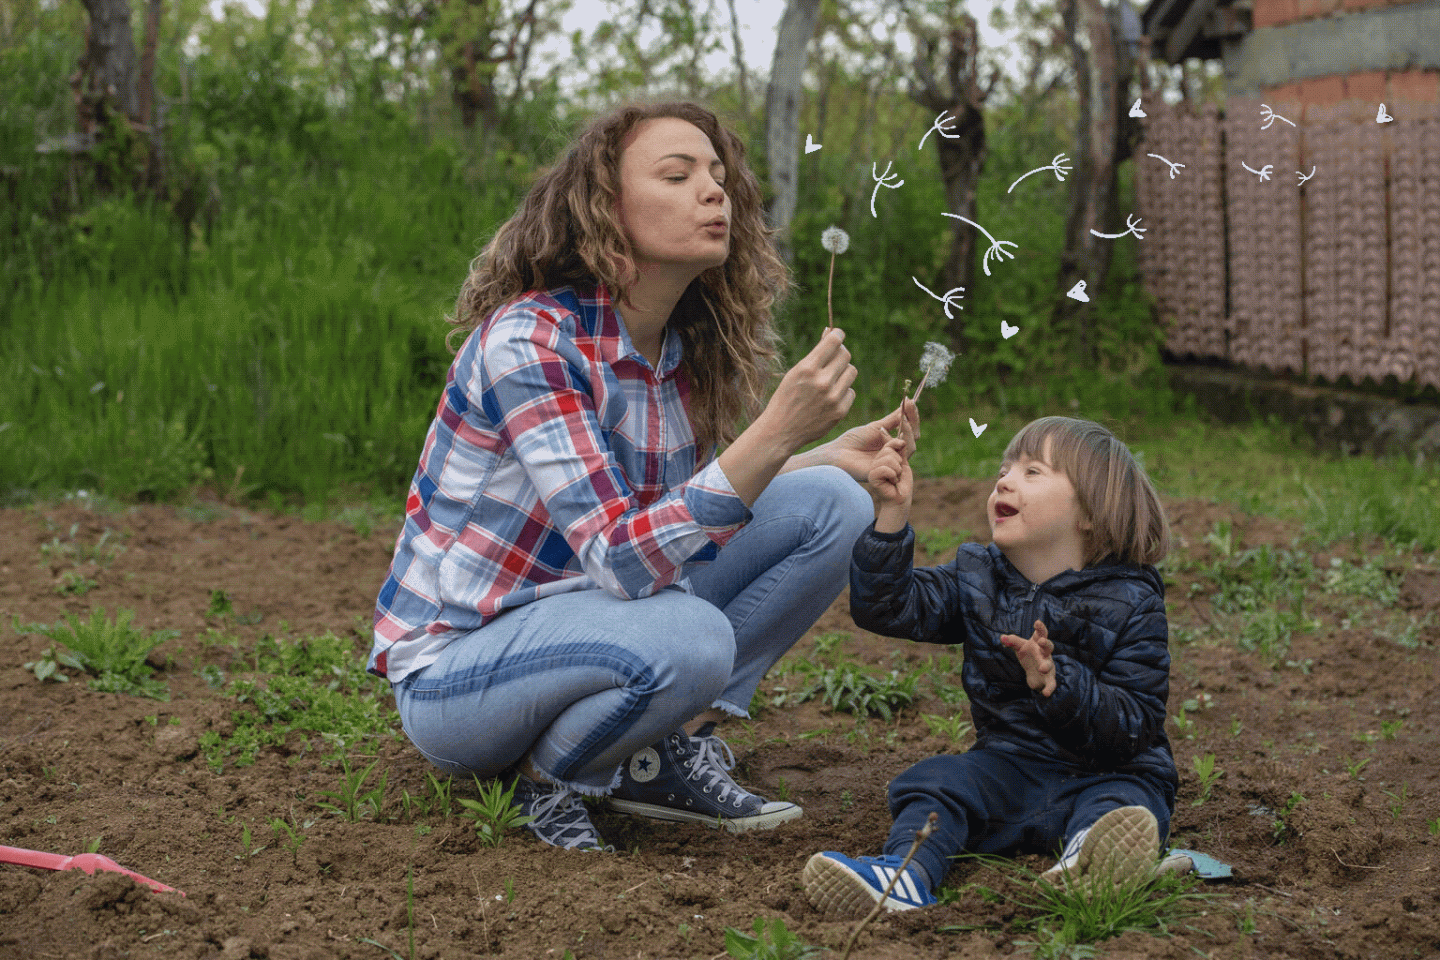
point(815, 394)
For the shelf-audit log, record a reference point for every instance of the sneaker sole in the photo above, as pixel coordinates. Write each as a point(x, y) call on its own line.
point(839, 893)
point(760, 821)
point(1121, 849)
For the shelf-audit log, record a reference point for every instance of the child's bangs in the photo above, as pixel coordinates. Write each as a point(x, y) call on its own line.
point(1056, 432)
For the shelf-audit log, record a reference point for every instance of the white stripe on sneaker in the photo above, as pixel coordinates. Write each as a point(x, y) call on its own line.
point(910, 891)
point(904, 890)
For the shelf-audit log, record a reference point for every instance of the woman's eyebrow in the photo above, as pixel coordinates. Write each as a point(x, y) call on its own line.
point(717, 162)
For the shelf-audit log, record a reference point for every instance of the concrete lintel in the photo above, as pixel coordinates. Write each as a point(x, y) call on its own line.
point(1394, 38)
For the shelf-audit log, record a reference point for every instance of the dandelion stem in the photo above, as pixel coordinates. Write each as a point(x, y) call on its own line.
point(829, 290)
point(920, 835)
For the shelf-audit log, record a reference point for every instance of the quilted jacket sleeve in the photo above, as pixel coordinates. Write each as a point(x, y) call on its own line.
point(1112, 712)
point(890, 597)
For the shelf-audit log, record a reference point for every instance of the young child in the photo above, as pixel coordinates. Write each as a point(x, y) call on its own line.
point(1070, 745)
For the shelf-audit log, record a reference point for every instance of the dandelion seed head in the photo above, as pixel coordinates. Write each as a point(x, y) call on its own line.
point(835, 240)
point(935, 361)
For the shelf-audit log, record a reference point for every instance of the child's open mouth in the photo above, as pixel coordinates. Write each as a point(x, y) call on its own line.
point(1003, 510)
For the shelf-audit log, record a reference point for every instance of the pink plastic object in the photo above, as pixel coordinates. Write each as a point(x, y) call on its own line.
point(86, 862)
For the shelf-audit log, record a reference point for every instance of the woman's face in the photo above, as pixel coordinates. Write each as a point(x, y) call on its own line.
point(673, 204)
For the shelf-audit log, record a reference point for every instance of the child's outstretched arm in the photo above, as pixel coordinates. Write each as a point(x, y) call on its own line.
point(887, 594)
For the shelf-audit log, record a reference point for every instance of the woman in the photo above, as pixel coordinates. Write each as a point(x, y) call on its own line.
point(582, 588)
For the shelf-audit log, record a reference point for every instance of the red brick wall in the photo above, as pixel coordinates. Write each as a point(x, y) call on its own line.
point(1278, 13)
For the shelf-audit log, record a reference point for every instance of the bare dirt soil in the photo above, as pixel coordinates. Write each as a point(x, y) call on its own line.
point(1345, 720)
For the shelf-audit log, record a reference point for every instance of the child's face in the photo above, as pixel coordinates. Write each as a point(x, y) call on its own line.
point(1035, 514)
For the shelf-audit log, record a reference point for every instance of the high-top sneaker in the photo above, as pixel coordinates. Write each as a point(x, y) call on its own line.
point(687, 779)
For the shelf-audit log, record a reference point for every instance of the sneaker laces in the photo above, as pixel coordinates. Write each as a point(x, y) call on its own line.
point(564, 820)
point(713, 758)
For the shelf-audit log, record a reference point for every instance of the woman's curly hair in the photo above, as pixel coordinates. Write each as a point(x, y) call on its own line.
point(568, 232)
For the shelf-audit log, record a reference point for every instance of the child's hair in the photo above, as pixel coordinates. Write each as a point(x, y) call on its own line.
point(1116, 498)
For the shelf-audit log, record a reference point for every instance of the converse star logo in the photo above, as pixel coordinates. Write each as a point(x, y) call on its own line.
point(644, 765)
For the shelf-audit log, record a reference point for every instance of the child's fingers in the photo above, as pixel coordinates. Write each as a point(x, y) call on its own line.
point(1040, 632)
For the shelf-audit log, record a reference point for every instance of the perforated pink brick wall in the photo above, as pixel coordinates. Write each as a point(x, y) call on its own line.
point(1337, 278)
point(1182, 257)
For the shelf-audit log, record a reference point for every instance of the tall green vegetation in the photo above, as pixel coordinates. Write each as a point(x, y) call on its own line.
point(270, 321)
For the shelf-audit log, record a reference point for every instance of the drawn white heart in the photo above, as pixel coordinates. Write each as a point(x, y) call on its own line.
point(1008, 331)
point(1077, 292)
point(1382, 116)
point(810, 146)
point(1135, 110)
point(977, 428)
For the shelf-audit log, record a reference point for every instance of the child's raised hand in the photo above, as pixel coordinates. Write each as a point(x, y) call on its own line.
point(890, 474)
point(1034, 656)
point(892, 485)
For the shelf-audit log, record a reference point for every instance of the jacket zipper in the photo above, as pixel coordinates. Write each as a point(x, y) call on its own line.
point(1028, 624)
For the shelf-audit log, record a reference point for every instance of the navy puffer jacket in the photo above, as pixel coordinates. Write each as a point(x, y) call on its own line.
point(1112, 660)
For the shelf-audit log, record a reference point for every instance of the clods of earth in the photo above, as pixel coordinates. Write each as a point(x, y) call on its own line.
point(1302, 712)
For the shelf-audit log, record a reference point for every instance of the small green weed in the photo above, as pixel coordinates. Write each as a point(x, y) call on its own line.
point(1365, 579)
point(353, 801)
point(954, 727)
point(848, 688)
point(772, 940)
point(71, 550)
point(247, 845)
point(1390, 729)
point(291, 832)
point(494, 813)
point(48, 667)
point(73, 583)
point(114, 652)
point(1398, 800)
point(1205, 769)
point(1433, 826)
point(1281, 829)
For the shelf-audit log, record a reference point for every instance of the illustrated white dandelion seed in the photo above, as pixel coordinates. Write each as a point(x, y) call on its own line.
point(1059, 165)
point(837, 241)
point(997, 247)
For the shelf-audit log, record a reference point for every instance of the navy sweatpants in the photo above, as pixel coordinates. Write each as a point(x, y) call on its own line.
point(993, 803)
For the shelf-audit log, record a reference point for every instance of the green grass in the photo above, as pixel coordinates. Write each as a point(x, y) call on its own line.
point(1066, 921)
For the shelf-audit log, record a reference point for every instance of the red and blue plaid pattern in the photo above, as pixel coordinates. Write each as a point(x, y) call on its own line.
point(558, 460)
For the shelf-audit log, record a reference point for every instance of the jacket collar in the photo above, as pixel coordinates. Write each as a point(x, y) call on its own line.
point(1069, 580)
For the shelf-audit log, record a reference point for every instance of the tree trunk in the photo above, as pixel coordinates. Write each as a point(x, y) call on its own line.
point(782, 114)
point(742, 75)
point(1101, 74)
point(106, 81)
point(961, 147)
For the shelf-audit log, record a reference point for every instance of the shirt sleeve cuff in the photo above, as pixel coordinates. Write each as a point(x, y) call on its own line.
point(714, 504)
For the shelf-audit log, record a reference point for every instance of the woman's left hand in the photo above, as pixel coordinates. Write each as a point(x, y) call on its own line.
point(854, 450)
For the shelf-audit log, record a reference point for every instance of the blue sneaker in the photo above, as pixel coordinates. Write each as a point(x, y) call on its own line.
point(687, 780)
point(558, 816)
point(847, 888)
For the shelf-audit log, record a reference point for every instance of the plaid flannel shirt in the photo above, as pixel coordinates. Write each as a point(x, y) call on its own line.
point(558, 460)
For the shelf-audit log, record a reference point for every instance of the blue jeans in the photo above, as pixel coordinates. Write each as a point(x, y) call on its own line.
point(992, 802)
point(582, 680)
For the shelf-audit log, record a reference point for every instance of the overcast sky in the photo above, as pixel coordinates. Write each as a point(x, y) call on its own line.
point(758, 22)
